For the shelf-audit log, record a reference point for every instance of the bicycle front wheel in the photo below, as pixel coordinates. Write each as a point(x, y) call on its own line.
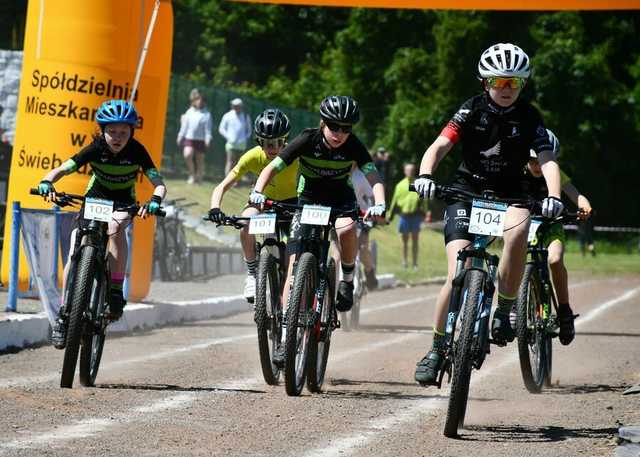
point(299, 314)
point(268, 314)
point(79, 297)
point(463, 352)
point(530, 331)
point(94, 334)
point(321, 337)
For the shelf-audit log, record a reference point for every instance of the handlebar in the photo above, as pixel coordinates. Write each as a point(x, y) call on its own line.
point(64, 199)
point(443, 191)
point(335, 213)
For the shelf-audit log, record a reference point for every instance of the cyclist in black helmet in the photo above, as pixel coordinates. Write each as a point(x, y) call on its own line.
point(271, 128)
point(326, 155)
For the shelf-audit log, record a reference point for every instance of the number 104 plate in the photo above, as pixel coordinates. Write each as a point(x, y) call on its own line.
point(487, 218)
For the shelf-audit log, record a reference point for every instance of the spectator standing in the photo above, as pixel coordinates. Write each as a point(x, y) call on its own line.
point(411, 210)
point(381, 161)
point(235, 127)
point(195, 136)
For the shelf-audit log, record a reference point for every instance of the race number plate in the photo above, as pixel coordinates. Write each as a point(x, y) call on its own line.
point(96, 209)
point(262, 224)
point(533, 228)
point(487, 218)
point(315, 215)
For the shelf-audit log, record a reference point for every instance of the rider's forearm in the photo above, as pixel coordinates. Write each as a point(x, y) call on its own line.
point(434, 154)
point(378, 193)
point(57, 173)
point(160, 191)
point(265, 177)
point(221, 189)
point(551, 173)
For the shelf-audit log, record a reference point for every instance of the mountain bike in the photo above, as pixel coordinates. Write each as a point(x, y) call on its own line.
point(87, 286)
point(311, 314)
point(270, 229)
point(537, 309)
point(467, 335)
point(171, 251)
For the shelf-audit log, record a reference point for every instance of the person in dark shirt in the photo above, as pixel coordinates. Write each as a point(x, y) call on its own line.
point(496, 129)
point(115, 158)
point(326, 155)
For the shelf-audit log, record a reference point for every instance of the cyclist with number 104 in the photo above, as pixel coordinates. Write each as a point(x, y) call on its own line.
point(116, 158)
point(271, 128)
point(497, 129)
point(326, 155)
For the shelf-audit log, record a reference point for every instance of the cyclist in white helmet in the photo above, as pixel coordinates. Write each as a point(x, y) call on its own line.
point(496, 129)
point(555, 238)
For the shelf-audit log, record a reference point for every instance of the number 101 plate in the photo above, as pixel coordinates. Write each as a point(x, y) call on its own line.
point(487, 218)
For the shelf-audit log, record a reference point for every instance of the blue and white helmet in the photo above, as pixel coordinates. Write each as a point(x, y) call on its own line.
point(116, 111)
point(504, 60)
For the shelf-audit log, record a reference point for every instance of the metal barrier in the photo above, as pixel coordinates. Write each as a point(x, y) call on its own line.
point(215, 261)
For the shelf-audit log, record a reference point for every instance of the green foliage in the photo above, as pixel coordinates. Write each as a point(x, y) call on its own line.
point(411, 69)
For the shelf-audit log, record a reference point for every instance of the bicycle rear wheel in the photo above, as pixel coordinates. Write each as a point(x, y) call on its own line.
point(94, 334)
point(268, 314)
point(321, 337)
point(463, 352)
point(79, 299)
point(550, 332)
point(530, 331)
point(299, 331)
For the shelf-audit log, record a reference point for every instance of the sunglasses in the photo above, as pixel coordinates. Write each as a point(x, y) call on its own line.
point(500, 83)
point(335, 127)
point(275, 143)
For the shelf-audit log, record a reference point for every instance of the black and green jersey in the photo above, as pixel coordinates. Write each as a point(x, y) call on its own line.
point(324, 172)
point(114, 175)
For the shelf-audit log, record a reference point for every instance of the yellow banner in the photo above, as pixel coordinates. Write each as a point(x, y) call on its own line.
point(549, 5)
point(77, 54)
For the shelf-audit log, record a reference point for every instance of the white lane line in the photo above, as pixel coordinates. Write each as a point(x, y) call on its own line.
point(161, 355)
point(375, 429)
point(165, 354)
point(93, 425)
point(145, 358)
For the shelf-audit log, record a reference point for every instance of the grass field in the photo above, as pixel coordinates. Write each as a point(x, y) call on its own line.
point(611, 259)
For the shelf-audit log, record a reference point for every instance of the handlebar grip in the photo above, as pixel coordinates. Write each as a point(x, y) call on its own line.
point(33, 191)
point(161, 213)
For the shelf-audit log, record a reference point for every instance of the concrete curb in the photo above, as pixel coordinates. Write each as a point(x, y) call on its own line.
point(22, 330)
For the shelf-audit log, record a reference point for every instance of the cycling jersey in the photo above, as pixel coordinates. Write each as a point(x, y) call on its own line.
point(404, 201)
point(324, 172)
point(496, 142)
point(282, 186)
point(537, 186)
point(113, 175)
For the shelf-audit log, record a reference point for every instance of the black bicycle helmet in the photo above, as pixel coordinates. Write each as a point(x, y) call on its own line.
point(340, 108)
point(271, 123)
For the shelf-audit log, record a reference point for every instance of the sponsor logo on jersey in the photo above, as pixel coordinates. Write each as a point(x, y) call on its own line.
point(492, 151)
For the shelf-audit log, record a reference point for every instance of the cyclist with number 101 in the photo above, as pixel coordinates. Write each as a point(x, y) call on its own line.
point(116, 158)
point(326, 155)
point(497, 129)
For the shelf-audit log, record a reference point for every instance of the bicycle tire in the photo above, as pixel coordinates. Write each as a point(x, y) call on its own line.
point(321, 339)
point(530, 331)
point(79, 297)
point(266, 314)
point(298, 330)
point(548, 353)
point(162, 257)
point(93, 338)
point(463, 357)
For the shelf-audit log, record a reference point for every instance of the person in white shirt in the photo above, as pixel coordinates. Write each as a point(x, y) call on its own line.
point(195, 136)
point(235, 127)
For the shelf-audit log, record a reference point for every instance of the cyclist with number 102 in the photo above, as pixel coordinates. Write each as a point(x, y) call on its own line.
point(116, 158)
point(326, 155)
point(497, 129)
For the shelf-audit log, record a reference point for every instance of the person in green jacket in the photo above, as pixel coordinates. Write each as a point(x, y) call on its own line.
point(411, 210)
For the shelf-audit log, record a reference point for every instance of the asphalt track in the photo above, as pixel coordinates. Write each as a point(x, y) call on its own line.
point(197, 390)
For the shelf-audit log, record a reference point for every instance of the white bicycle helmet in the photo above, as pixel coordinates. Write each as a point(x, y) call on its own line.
point(555, 146)
point(504, 60)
